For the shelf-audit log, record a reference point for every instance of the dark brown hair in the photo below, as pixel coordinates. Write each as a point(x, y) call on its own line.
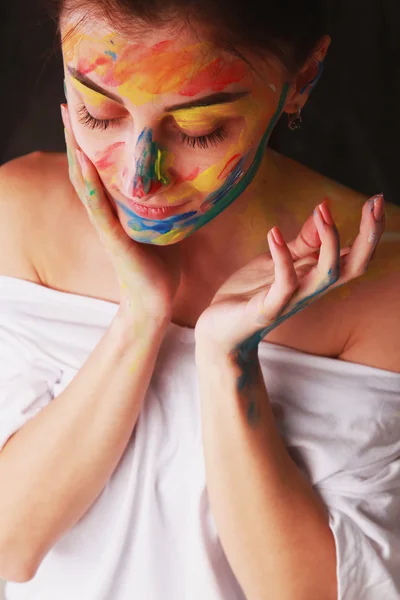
point(288, 29)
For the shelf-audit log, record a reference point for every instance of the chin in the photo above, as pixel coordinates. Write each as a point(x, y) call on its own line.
point(153, 238)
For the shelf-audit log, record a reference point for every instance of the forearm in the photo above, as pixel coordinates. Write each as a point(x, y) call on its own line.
point(55, 466)
point(273, 527)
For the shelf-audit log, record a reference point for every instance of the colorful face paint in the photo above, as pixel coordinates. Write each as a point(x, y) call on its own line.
point(148, 148)
point(170, 229)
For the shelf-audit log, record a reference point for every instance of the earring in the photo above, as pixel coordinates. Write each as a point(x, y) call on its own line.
point(295, 120)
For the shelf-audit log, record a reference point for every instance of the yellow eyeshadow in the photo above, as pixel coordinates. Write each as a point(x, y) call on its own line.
point(206, 117)
point(202, 117)
point(93, 97)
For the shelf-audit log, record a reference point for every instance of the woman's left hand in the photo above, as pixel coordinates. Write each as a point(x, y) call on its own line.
point(282, 282)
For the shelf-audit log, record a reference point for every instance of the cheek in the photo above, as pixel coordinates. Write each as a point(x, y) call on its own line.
point(107, 159)
point(243, 145)
point(190, 163)
point(91, 141)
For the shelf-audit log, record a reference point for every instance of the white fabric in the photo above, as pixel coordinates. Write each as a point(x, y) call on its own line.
point(150, 535)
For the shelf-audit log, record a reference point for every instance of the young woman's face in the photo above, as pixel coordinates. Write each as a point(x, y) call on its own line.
point(169, 123)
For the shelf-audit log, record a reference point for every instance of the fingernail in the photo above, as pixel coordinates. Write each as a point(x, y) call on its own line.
point(378, 206)
point(278, 238)
point(319, 222)
point(325, 213)
point(65, 116)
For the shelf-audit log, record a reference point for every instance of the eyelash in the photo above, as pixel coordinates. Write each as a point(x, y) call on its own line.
point(201, 141)
point(87, 120)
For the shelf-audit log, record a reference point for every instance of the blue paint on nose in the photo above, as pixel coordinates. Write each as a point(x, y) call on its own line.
point(145, 174)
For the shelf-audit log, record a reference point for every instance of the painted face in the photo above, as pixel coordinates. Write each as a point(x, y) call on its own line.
point(174, 124)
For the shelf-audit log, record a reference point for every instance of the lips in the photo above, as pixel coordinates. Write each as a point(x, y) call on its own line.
point(134, 201)
point(149, 212)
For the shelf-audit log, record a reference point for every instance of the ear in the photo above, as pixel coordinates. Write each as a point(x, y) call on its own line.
point(307, 77)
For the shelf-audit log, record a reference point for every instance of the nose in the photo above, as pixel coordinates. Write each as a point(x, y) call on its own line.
point(148, 178)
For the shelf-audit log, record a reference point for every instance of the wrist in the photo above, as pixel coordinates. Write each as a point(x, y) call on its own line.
point(127, 329)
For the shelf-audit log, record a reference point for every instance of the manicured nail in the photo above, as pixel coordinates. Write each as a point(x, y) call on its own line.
point(65, 116)
point(325, 213)
point(379, 207)
point(319, 222)
point(278, 238)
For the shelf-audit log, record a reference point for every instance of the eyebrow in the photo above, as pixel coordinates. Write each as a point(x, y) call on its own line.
point(92, 85)
point(219, 98)
point(212, 99)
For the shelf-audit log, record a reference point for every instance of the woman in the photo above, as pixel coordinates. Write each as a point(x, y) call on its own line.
point(192, 407)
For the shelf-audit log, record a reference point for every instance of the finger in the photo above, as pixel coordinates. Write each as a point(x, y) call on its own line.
point(305, 265)
point(100, 209)
point(91, 191)
point(307, 242)
point(285, 279)
point(328, 268)
point(71, 144)
point(317, 281)
point(370, 233)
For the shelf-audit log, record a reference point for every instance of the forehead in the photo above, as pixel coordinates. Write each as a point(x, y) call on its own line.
point(157, 63)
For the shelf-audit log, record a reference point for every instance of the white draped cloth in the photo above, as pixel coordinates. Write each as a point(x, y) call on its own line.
point(150, 534)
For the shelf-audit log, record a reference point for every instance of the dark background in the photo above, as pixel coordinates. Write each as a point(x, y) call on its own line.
point(351, 124)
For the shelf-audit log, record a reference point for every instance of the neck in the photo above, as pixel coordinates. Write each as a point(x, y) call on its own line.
point(239, 233)
point(233, 238)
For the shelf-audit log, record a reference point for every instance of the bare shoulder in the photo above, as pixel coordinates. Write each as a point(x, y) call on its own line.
point(372, 307)
point(361, 319)
point(33, 190)
point(308, 188)
point(369, 305)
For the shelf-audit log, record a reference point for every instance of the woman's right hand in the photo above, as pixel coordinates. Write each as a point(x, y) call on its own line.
point(148, 275)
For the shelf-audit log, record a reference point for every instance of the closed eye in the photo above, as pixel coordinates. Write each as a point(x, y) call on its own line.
point(88, 120)
point(204, 141)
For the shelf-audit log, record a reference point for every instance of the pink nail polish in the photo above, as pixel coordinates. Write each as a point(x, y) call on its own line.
point(65, 116)
point(62, 114)
point(278, 238)
point(379, 207)
point(325, 213)
point(319, 222)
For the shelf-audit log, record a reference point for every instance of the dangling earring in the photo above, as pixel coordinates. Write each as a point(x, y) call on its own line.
point(295, 120)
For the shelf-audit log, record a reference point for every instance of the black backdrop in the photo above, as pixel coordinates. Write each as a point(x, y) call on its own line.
point(351, 124)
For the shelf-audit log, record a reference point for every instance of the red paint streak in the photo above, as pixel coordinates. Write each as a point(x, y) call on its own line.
point(162, 46)
point(85, 66)
point(105, 161)
point(215, 76)
point(178, 179)
point(193, 174)
point(229, 167)
point(205, 207)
